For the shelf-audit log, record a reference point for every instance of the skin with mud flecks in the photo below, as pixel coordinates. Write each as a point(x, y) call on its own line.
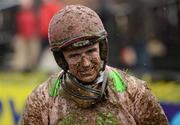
point(84, 63)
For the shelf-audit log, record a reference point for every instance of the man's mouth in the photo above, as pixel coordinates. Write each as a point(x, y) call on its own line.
point(87, 71)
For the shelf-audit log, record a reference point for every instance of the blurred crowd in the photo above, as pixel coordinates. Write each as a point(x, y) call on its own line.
point(143, 34)
point(31, 37)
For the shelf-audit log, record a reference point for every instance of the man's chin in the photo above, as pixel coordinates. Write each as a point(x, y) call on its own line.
point(87, 80)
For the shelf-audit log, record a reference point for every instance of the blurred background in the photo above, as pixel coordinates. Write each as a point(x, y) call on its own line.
point(144, 40)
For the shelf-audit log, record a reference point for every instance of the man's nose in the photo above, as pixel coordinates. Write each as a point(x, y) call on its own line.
point(85, 61)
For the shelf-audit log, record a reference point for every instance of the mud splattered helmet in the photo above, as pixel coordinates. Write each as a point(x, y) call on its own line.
point(76, 26)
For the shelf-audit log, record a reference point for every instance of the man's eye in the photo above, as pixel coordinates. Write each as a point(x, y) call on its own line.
point(91, 50)
point(74, 55)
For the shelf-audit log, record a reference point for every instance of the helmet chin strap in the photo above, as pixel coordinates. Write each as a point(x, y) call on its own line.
point(84, 94)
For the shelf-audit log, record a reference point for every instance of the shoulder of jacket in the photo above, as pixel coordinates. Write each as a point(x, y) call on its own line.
point(42, 90)
point(131, 82)
point(134, 84)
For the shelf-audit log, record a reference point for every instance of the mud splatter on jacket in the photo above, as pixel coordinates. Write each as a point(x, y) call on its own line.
point(134, 106)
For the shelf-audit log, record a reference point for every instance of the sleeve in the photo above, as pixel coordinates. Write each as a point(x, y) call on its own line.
point(147, 109)
point(36, 108)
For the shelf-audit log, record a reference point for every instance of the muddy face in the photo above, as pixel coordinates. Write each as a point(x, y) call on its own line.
point(84, 63)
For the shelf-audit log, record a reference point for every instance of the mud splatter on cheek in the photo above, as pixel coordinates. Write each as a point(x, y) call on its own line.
point(75, 69)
